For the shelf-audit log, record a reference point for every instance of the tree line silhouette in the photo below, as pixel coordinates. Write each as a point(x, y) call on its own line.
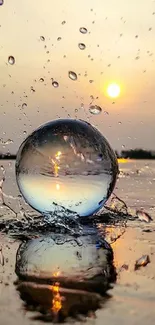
point(127, 154)
point(136, 154)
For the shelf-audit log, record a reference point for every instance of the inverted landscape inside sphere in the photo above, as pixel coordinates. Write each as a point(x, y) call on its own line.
point(66, 163)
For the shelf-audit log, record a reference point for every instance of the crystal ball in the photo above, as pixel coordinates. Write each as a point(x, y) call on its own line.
point(66, 163)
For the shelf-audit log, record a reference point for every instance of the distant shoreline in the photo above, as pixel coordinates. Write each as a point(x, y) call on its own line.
point(7, 157)
point(136, 154)
point(120, 159)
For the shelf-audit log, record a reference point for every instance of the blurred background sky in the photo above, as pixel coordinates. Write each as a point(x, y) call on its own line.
point(120, 47)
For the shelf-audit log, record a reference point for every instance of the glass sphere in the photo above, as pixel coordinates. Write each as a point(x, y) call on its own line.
point(66, 163)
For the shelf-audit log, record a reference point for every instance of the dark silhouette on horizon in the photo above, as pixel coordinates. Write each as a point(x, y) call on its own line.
point(137, 153)
point(7, 156)
point(130, 154)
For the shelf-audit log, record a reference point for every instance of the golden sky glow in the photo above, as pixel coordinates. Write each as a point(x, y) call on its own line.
point(119, 48)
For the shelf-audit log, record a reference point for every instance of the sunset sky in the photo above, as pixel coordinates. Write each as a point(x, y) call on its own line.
point(120, 48)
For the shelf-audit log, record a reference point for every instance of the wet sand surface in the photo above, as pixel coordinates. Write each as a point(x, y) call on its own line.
point(132, 298)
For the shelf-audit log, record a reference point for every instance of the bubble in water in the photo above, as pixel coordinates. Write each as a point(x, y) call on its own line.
point(81, 46)
point(95, 109)
point(83, 30)
point(66, 163)
point(11, 60)
point(55, 84)
point(72, 75)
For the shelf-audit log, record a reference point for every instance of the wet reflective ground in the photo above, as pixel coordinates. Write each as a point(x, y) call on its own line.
point(61, 276)
point(38, 289)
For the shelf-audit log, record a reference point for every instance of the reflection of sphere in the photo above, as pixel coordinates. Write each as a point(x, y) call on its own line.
point(69, 302)
point(66, 163)
point(84, 262)
point(63, 274)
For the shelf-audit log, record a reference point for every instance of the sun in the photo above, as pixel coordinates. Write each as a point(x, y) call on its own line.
point(113, 90)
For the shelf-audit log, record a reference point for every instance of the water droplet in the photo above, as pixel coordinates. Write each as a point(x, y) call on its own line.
point(9, 141)
point(81, 46)
point(42, 38)
point(72, 75)
point(94, 109)
point(60, 159)
point(83, 30)
point(32, 89)
point(41, 79)
point(11, 60)
point(55, 84)
point(24, 105)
